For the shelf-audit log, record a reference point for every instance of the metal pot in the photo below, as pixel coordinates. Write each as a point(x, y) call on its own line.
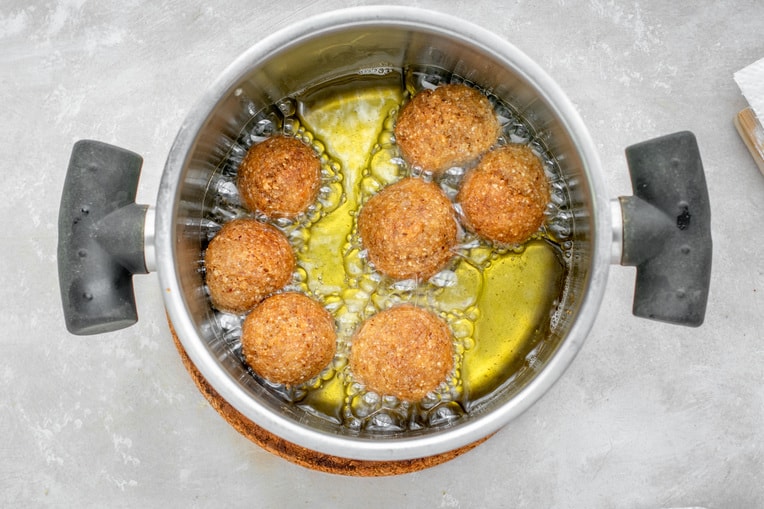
point(105, 238)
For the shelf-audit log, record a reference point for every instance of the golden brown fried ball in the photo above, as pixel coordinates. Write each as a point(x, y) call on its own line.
point(504, 197)
point(289, 338)
point(408, 229)
point(279, 177)
point(245, 262)
point(404, 351)
point(448, 126)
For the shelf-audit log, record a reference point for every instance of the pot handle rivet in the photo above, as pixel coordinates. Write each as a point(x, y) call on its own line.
point(100, 238)
point(666, 229)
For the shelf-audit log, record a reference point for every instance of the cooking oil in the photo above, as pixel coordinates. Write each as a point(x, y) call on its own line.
point(498, 301)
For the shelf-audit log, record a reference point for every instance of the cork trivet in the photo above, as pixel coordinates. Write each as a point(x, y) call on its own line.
point(301, 455)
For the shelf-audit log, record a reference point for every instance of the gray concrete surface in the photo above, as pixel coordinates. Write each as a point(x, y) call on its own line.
point(648, 416)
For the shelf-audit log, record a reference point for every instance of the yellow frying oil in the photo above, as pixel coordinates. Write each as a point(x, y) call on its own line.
point(348, 125)
point(518, 295)
point(497, 302)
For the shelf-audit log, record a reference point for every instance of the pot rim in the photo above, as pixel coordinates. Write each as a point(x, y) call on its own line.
point(355, 447)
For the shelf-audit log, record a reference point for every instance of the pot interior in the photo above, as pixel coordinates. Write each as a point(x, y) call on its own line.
point(287, 83)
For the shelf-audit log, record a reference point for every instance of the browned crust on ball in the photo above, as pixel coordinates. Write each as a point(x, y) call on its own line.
point(448, 126)
point(279, 177)
point(289, 338)
point(408, 229)
point(245, 262)
point(503, 199)
point(404, 351)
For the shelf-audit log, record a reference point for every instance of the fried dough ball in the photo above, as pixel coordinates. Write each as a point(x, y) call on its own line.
point(408, 229)
point(504, 197)
point(279, 177)
point(448, 126)
point(289, 338)
point(404, 351)
point(245, 262)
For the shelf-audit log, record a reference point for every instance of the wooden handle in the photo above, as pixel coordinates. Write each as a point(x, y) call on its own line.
point(752, 132)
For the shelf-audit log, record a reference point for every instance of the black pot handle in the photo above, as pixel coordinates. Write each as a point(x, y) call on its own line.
point(100, 238)
point(667, 229)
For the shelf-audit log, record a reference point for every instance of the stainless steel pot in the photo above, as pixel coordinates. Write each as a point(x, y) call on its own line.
point(105, 237)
